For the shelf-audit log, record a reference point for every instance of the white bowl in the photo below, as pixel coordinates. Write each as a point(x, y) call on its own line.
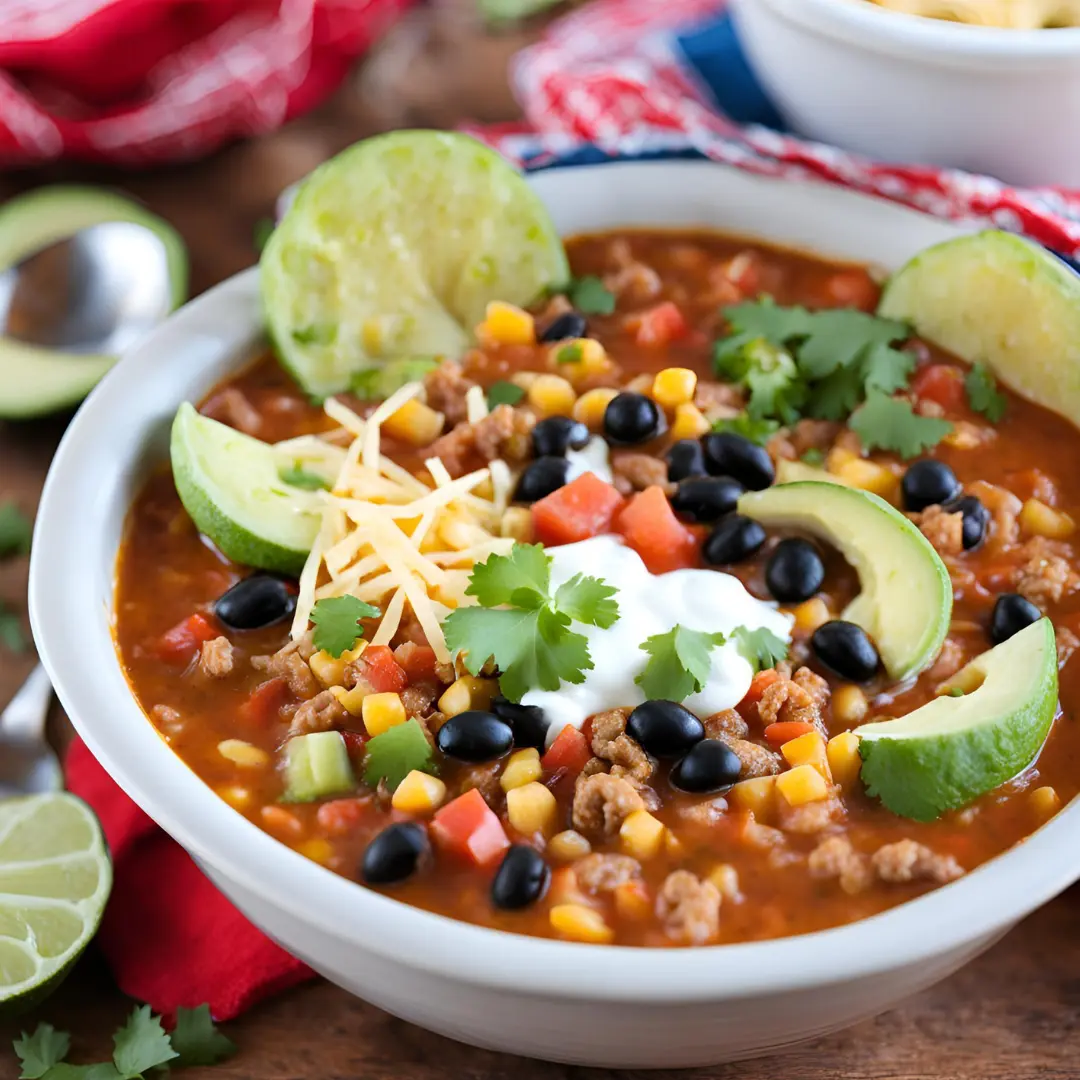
point(610, 1006)
point(905, 88)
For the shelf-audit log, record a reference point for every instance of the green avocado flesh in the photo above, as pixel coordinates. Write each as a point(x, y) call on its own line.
point(905, 600)
point(35, 381)
point(954, 749)
point(395, 248)
point(317, 766)
point(997, 299)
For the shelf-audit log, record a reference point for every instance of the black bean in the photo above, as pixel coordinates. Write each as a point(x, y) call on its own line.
point(527, 722)
point(257, 601)
point(846, 649)
point(685, 458)
point(976, 518)
point(664, 728)
point(570, 324)
point(632, 418)
point(1012, 612)
point(710, 766)
point(522, 879)
point(557, 434)
point(475, 736)
point(794, 571)
point(727, 454)
point(928, 483)
point(541, 477)
point(707, 498)
point(395, 853)
point(735, 538)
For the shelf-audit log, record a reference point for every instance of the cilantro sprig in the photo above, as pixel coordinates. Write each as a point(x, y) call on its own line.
point(399, 750)
point(337, 622)
point(678, 662)
point(504, 393)
point(591, 296)
point(983, 394)
point(525, 628)
point(757, 431)
point(299, 477)
point(15, 530)
point(761, 648)
point(886, 423)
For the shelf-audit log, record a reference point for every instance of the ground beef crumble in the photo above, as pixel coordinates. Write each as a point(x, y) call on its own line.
point(603, 873)
point(836, 858)
point(290, 663)
point(445, 389)
point(602, 803)
point(898, 863)
point(636, 472)
point(216, 658)
point(728, 723)
point(798, 698)
point(504, 433)
point(1046, 575)
point(611, 743)
point(322, 713)
point(689, 908)
point(944, 530)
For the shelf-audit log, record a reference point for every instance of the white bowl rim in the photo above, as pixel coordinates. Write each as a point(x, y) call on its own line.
point(976, 907)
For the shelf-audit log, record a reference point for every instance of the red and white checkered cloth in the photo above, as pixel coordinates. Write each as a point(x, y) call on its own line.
point(147, 81)
point(612, 74)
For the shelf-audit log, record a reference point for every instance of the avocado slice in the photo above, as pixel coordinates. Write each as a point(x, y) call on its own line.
point(905, 602)
point(35, 381)
point(954, 749)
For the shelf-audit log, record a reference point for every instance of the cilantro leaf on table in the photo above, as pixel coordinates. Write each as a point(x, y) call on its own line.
point(761, 648)
point(141, 1044)
point(885, 423)
point(15, 530)
point(12, 636)
point(395, 753)
point(504, 393)
point(757, 431)
point(41, 1050)
point(337, 622)
point(983, 394)
point(591, 296)
point(300, 478)
point(197, 1040)
point(678, 662)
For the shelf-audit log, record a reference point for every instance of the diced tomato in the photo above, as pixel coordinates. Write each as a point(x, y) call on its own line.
point(381, 671)
point(852, 288)
point(650, 527)
point(659, 325)
point(340, 817)
point(577, 511)
point(418, 661)
point(468, 827)
point(568, 752)
point(942, 383)
point(263, 702)
point(786, 730)
point(178, 645)
point(355, 742)
point(758, 685)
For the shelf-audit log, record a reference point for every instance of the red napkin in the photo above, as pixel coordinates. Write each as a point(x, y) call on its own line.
point(169, 936)
point(141, 81)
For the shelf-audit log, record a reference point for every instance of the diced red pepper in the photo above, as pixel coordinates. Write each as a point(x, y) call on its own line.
point(786, 730)
point(943, 383)
point(659, 325)
point(758, 685)
point(178, 645)
point(355, 742)
point(381, 671)
point(650, 527)
point(569, 752)
point(342, 816)
point(577, 511)
point(263, 702)
point(852, 288)
point(469, 828)
point(418, 661)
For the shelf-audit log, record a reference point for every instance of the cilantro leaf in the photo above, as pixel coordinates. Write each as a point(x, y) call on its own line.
point(885, 423)
point(757, 431)
point(141, 1044)
point(395, 753)
point(197, 1040)
point(11, 631)
point(764, 319)
point(41, 1050)
point(813, 456)
point(589, 600)
point(103, 1070)
point(761, 647)
point(15, 530)
point(300, 478)
point(776, 389)
point(839, 337)
point(504, 393)
point(885, 368)
point(590, 296)
point(337, 622)
point(679, 663)
point(496, 580)
point(983, 394)
point(835, 396)
point(570, 354)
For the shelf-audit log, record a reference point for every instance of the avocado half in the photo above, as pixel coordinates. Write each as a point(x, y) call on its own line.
point(35, 381)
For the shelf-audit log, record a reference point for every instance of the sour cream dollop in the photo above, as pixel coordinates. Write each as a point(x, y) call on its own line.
point(592, 457)
point(649, 604)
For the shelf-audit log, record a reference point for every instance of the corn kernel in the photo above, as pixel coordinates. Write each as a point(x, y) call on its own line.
point(688, 422)
point(505, 324)
point(808, 749)
point(531, 808)
point(330, 670)
point(726, 879)
point(524, 379)
point(674, 386)
point(673, 846)
point(844, 759)
point(282, 822)
point(317, 850)
point(632, 901)
point(568, 845)
point(552, 395)
point(415, 423)
point(522, 768)
point(838, 456)
point(811, 614)
point(580, 923)
point(639, 384)
point(517, 524)
point(419, 793)
point(591, 406)
point(849, 705)
point(468, 692)
point(579, 358)
point(641, 835)
point(803, 784)
point(871, 477)
point(352, 701)
point(239, 798)
point(381, 712)
point(1038, 519)
point(754, 796)
point(1046, 800)
point(243, 754)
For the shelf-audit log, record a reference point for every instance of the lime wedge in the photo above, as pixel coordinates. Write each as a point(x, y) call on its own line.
point(231, 486)
point(394, 248)
point(55, 877)
point(997, 299)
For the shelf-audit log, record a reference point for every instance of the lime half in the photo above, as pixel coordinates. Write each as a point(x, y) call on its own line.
point(395, 247)
point(55, 877)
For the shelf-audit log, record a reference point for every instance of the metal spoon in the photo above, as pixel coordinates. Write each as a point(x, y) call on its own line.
point(27, 764)
point(96, 291)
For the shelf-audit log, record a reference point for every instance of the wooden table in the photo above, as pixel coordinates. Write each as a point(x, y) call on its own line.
point(1009, 1016)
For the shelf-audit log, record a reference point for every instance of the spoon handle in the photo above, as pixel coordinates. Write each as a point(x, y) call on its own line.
point(24, 718)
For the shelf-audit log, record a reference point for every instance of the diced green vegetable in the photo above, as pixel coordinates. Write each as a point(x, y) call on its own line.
point(317, 766)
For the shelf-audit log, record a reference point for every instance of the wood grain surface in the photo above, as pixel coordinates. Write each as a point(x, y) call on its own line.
point(1011, 1015)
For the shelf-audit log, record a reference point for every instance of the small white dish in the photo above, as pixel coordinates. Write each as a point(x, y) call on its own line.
point(589, 1005)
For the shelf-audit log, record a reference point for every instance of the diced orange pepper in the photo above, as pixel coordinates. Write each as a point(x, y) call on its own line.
point(650, 527)
point(758, 685)
point(577, 511)
point(468, 827)
point(786, 730)
point(340, 817)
